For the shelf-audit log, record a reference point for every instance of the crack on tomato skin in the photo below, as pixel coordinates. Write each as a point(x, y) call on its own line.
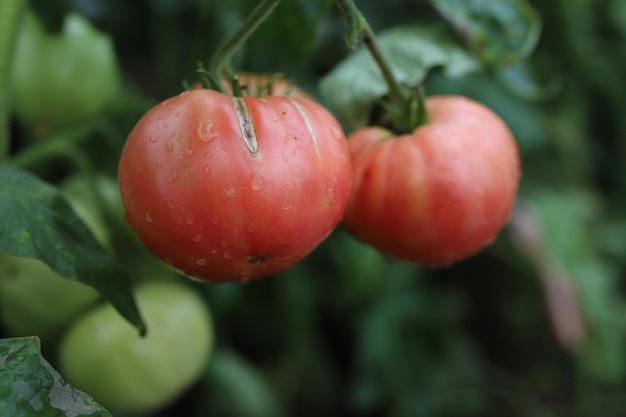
point(246, 125)
point(307, 122)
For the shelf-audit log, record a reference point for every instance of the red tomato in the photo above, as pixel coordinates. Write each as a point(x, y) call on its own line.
point(437, 195)
point(234, 188)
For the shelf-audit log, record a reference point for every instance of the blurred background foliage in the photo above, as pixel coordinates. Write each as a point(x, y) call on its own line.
point(533, 326)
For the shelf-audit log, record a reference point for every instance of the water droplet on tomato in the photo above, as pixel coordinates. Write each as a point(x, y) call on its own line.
point(177, 114)
point(200, 261)
point(228, 254)
point(169, 147)
point(189, 171)
point(336, 133)
point(175, 176)
point(148, 218)
point(206, 171)
point(190, 220)
point(257, 181)
point(290, 184)
point(153, 139)
point(197, 238)
point(188, 151)
point(205, 131)
point(138, 171)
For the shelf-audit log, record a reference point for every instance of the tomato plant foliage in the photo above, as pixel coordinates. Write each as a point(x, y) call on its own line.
point(39, 223)
point(29, 386)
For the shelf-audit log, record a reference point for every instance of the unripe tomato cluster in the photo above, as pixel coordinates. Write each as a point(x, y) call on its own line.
point(98, 350)
point(228, 188)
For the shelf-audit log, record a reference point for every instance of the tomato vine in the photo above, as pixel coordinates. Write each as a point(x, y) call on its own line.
point(220, 62)
point(405, 106)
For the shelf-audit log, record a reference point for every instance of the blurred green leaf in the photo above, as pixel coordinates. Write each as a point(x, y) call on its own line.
point(498, 32)
point(235, 388)
point(566, 220)
point(30, 387)
point(355, 86)
point(39, 223)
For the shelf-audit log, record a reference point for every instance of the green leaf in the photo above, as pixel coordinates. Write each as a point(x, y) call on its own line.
point(355, 86)
point(30, 386)
point(38, 223)
point(497, 32)
point(237, 388)
point(566, 220)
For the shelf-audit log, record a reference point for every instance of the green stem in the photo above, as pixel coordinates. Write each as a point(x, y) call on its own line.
point(61, 144)
point(357, 24)
point(220, 63)
point(402, 101)
point(10, 19)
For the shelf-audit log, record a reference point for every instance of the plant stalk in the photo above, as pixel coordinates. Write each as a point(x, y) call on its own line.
point(10, 18)
point(406, 107)
point(220, 62)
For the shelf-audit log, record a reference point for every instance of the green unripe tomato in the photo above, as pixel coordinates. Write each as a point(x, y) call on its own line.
point(34, 300)
point(103, 355)
point(61, 79)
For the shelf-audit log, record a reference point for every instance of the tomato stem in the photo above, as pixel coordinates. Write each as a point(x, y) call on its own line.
point(10, 20)
point(60, 144)
point(405, 106)
point(220, 63)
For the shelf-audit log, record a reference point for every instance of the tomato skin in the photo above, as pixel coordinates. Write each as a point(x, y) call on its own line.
point(203, 203)
point(437, 195)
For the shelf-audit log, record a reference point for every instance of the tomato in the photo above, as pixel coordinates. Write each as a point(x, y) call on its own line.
point(234, 188)
point(103, 355)
point(61, 79)
point(439, 194)
point(34, 300)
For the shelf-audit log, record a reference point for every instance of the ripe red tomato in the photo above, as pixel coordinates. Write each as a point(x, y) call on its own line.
point(234, 188)
point(439, 194)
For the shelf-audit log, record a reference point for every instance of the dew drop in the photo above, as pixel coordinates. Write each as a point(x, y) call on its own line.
point(206, 171)
point(336, 132)
point(200, 261)
point(197, 238)
point(190, 220)
point(228, 254)
point(148, 218)
point(188, 151)
point(222, 145)
point(169, 147)
point(189, 171)
point(251, 227)
point(174, 177)
point(257, 181)
point(153, 139)
point(290, 184)
point(205, 132)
